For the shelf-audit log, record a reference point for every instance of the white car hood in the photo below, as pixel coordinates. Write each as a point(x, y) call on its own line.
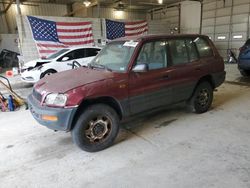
point(34, 62)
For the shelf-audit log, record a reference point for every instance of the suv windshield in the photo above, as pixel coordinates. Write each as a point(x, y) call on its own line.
point(60, 52)
point(115, 56)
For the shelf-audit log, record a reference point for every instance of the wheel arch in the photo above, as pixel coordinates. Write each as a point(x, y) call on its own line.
point(207, 78)
point(109, 101)
point(50, 69)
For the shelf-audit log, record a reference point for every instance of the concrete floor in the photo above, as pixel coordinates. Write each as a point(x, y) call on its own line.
point(172, 148)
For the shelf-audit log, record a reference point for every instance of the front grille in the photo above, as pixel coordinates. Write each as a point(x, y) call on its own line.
point(37, 95)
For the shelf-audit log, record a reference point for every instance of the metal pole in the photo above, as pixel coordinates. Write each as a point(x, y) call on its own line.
point(179, 24)
point(248, 21)
point(230, 27)
point(215, 21)
point(201, 16)
point(18, 7)
point(98, 9)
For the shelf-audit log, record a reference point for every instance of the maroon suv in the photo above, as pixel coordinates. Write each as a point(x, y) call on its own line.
point(128, 77)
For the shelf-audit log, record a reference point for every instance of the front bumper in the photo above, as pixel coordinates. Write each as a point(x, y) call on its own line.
point(64, 116)
point(31, 76)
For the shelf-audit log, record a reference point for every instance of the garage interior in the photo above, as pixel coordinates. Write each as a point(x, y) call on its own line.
point(168, 148)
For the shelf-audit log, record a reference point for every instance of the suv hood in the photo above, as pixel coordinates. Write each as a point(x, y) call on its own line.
point(64, 81)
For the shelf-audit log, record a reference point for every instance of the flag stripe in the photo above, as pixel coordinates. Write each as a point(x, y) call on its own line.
point(135, 34)
point(136, 31)
point(51, 45)
point(64, 41)
point(136, 28)
point(47, 51)
point(75, 36)
point(73, 23)
point(74, 27)
point(136, 22)
point(79, 43)
point(73, 30)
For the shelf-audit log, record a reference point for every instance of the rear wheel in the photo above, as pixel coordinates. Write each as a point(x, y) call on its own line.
point(96, 128)
point(245, 72)
point(202, 98)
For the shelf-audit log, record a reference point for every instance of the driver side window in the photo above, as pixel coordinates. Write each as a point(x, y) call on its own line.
point(154, 55)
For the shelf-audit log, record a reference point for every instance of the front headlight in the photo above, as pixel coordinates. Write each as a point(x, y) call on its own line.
point(56, 99)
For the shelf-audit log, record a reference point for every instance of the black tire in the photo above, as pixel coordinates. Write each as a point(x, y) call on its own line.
point(47, 73)
point(245, 73)
point(93, 122)
point(202, 98)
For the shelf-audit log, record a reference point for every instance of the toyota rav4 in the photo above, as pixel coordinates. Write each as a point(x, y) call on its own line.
point(128, 77)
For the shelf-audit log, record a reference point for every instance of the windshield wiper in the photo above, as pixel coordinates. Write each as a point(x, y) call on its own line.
point(99, 66)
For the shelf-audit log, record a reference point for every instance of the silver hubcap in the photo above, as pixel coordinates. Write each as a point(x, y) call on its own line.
point(203, 97)
point(98, 129)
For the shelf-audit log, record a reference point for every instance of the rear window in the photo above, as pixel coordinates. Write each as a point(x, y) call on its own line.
point(203, 47)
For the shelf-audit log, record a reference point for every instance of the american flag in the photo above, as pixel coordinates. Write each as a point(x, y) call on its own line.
point(52, 36)
point(116, 29)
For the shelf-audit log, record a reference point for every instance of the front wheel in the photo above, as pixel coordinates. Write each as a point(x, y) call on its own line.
point(202, 98)
point(96, 128)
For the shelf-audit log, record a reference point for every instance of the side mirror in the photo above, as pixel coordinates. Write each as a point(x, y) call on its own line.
point(65, 58)
point(140, 68)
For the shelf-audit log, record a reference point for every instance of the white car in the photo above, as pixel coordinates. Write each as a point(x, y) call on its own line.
point(62, 60)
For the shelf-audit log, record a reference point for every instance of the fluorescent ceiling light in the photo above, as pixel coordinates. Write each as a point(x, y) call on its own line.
point(160, 1)
point(119, 14)
point(221, 37)
point(237, 36)
point(86, 3)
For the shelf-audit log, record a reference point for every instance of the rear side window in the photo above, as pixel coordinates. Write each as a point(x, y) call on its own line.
point(203, 47)
point(178, 51)
point(91, 52)
point(193, 54)
point(79, 53)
